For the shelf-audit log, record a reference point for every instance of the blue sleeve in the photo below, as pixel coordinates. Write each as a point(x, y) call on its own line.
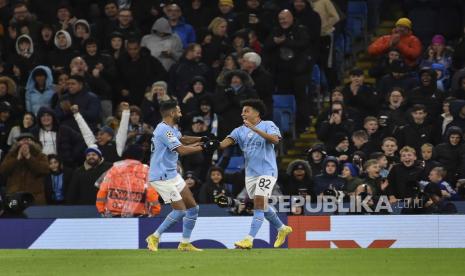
point(273, 129)
point(169, 139)
point(235, 135)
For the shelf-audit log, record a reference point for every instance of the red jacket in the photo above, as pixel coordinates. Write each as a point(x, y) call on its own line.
point(409, 47)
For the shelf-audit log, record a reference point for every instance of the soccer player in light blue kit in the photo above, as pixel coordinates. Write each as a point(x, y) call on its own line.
point(257, 139)
point(167, 145)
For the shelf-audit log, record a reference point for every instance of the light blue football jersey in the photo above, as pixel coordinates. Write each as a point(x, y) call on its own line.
point(259, 154)
point(163, 162)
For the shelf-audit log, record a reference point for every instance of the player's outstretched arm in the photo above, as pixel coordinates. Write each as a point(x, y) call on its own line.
point(186, 150)
point(227, 142)
point(189, 140)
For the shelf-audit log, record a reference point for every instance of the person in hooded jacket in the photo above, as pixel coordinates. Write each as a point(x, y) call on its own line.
point(25, 58)
point(8, 93)
point(39, 89)
point(191, 102)
point(60, 58)
point(58, 139)
point(329, 179)
point(297, 180)
point(451, 154)
point(457, 109)
point(315, 157)
point(229, 100)
point(427, 93)
point(163, 43)
point(57, 181)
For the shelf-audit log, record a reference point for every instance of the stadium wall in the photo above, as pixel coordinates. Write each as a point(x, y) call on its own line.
point(428, 231)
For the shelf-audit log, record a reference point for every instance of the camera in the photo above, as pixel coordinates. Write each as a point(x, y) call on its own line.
point(16, 203)
point(237, 206)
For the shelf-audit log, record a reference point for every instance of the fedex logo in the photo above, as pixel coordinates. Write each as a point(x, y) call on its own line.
point(317, 232)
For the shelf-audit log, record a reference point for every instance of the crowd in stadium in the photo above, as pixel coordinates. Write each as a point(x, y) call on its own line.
point(81, 83)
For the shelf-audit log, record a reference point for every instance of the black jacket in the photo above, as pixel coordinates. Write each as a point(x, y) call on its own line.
point(181, 74)
point(67, 174)
point(451, 157)
point(402, 180)
point(138, 75)
point(82, 190)
point(293, 55)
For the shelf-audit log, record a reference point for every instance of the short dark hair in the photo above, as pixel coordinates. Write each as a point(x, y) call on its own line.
point(168, 105)
point(132, 40)
point(418, 107)
point(256, 104)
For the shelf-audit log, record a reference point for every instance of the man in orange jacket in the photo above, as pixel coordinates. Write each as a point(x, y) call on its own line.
point(401, 39)
point(124, 191)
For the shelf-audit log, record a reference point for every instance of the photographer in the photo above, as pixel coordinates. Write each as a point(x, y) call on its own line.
point(25, 167)
point(298, 179)
point(214, 187)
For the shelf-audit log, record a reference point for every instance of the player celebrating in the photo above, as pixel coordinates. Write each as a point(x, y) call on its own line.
point(167, 144)
point(257, 139)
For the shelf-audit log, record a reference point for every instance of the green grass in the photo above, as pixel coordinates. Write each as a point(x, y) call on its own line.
point(234, 262)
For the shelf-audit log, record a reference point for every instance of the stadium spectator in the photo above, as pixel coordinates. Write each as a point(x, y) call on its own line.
point(9, 94)
point(451, 154)
point(78, 95)
point(291, 63)
point(6, 123)
point(437, 182)
point(163, 43)
point(427, 94)
point(403, 178)
point(58, 139)
point(350, 174)
point(263, 81)
point(39, 89)
point(359, 95)
point(82, 190)
point(361, 142)
point(427, 161)
point(397, 77)
point(457, 109)
point(297, 180)
point(61, 56)
point(215, 44)
point(305, 15)
point(214, 187)
point(228, 101)
point(389, 147)
point(315, 157)
point(184, 30)
point(25, 168)
point(188, 66)
point(27, 123)
point(418, 131)
point(336, 122)
point(329, 179)
point(57, 181)
point(111, 151)
point(401, 39)
point(151, 103)
point(226, 11)
point(392, 115)
point(138, 70)
point(125, 25)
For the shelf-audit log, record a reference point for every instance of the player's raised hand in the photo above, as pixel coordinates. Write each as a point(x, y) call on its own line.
point(249, 125)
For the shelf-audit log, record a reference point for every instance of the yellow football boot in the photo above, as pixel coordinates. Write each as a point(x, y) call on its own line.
point(282, 234)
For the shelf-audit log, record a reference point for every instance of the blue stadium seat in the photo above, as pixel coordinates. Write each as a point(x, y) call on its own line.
point(357, 16)
point(284, 109)
point(236, 164)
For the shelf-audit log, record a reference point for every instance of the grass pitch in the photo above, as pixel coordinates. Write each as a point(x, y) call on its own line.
point(260, 262)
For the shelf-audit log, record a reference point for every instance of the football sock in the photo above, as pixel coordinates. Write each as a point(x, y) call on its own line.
point(257, 221)
point(273, 218)
point(188, 223)
point(169, 221)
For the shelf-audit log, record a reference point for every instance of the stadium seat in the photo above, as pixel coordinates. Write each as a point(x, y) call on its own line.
point(357, 16)
point(236, 164)
point(284, 109)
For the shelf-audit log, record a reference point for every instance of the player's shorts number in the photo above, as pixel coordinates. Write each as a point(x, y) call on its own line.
point(264, 183)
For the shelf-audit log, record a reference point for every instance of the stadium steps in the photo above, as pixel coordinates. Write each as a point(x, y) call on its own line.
point(298, 148)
